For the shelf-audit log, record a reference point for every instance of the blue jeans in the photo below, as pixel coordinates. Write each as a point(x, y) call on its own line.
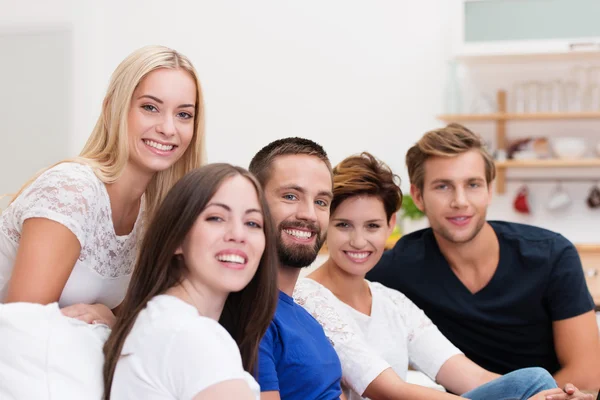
point(517, 385)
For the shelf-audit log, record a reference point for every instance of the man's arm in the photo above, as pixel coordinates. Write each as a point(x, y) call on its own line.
point(574, 326)
point(577, 346)
point(271, 395)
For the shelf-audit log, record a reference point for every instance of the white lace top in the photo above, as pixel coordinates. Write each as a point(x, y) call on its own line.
point(397, 333)
point(71, 194)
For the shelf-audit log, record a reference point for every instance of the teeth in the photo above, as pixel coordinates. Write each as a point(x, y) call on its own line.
point(460, 218)
point(158, 146)
point(298, 234)
point(358, 256)
point(231, 258)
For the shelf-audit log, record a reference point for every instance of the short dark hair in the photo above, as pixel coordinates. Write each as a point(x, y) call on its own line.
point(260, 165)
point(365, 175)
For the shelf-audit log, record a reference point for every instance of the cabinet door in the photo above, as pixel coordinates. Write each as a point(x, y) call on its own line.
point(500, 27)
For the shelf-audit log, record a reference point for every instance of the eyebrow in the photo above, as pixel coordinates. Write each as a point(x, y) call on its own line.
point(159, 101)
point(449, 181)
point(227, 208)
point(436, 181)
point(303, 191)
point(348, 220)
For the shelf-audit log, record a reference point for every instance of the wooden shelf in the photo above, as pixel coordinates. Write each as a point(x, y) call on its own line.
point(500, 116)
point(500, 119)
point(552, 163)
point(502, 166)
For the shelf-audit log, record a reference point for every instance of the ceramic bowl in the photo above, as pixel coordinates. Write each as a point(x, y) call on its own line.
point(568, 147)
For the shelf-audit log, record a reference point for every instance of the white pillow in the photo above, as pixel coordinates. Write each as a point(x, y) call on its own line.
point(45, 355)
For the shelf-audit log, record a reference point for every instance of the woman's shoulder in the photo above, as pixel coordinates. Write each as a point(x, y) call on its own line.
point(72, 172)
point(381, 291)
point(68, 192)
point(307, 288)
point(67, 178)
point(307, 284)
point(169, 321)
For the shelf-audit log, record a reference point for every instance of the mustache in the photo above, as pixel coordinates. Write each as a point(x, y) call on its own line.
point(309, 226)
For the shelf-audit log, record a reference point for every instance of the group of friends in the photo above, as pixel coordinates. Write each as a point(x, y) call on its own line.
point(192, 271)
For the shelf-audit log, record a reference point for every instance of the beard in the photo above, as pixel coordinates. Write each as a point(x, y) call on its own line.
point(298, 255)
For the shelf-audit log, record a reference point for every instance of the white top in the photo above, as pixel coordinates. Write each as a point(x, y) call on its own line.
point(172, 352)
point(72, 195)
point(396, 333)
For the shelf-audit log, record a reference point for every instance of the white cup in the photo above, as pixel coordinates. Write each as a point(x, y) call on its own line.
point(559, 199)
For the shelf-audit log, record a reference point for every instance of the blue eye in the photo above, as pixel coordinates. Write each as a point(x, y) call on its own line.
point(253, 224)
point(185, 115)
point(321, 203)
point(290, 197)
point(215, 219)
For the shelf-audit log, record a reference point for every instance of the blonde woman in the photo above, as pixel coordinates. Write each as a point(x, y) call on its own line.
point(69, 238)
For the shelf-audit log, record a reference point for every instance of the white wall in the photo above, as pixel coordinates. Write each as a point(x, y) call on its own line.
point(352, 75)
point(35, 124)
point(85, 20)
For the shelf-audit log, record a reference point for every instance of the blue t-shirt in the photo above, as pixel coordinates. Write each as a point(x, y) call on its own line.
point(296, 358)
point(507, 325)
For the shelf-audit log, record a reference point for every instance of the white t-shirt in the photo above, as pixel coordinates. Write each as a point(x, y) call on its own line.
point(397, 333)
point(72, 195)
point(172, 352)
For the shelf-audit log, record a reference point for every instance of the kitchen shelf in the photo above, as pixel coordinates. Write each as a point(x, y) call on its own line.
point(501, 117)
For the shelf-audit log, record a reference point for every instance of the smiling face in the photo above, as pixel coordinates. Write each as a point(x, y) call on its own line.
point(298, 192)
point(223, 249)
point(161, 119)
point(455, 196)
point(357, 233)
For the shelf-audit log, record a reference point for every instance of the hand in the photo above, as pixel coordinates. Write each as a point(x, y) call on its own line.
point(570, 392)
point(91, 314)
point(575, 393)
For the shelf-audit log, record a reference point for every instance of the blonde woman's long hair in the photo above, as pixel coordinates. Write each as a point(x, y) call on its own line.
point(106, 150)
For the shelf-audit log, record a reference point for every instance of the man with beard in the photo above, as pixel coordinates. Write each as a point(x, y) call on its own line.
point(296, 360)
point(508, 295)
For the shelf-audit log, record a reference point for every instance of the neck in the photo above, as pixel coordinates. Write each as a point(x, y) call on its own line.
point(351, 289)
point(473, 254)
point(287, 278)
point(209, 304)
point(125, 193)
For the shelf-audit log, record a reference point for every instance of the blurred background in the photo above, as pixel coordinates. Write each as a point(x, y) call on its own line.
point(352, 75)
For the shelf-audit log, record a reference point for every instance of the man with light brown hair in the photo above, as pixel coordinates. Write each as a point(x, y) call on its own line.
point(508, 295)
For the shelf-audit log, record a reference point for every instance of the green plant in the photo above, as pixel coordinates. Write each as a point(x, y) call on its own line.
point(409, 209)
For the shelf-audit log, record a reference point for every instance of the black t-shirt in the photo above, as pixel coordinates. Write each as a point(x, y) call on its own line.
point(507, 325)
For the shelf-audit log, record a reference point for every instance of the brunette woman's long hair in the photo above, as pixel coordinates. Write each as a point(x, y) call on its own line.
point(247, 313)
